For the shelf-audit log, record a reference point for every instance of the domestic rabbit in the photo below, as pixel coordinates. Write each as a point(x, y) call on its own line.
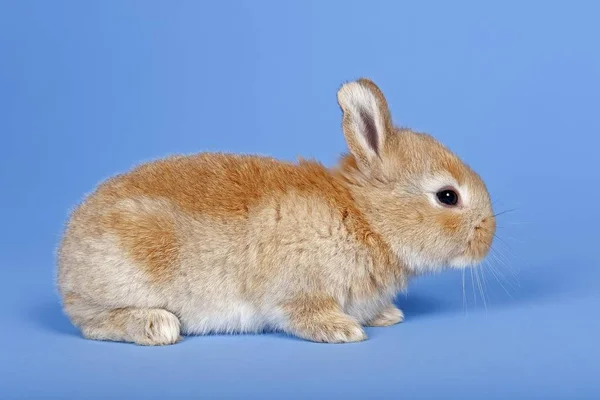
point(223, 243)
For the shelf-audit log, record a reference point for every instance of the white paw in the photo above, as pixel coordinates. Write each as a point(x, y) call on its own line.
point(352, 334)
point(162, 328)
point(340, 332)
point(387, 317)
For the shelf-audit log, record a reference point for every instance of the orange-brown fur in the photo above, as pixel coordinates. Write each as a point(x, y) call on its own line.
point(149, 238)
point(224, 187)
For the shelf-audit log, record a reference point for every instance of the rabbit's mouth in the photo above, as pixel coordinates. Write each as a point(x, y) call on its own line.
point(477, 247)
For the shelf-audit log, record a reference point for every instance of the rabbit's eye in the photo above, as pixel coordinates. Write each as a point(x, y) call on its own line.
point(448, 197)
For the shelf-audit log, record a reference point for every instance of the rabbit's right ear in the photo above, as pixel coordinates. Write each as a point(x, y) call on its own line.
point(366, 121)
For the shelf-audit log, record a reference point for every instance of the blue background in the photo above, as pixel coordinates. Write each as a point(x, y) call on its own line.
point(88, 89)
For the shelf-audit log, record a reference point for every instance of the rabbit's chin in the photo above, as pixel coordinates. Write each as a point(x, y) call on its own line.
point(461, 262)
point(420, 264)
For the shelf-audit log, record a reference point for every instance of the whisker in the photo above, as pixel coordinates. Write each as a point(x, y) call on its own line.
point(480, 289)
point(503, 260)
point(473, 285)
point(502, 240)
point(501, 275)
point(464, 294)
point(486, 292)
point(512, 238)
point(485, 283)
point(512, 253)
point(497, 279)
point(504, 212)
point(504, 257)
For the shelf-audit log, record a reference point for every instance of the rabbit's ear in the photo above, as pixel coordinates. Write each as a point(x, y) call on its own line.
point(366, 121)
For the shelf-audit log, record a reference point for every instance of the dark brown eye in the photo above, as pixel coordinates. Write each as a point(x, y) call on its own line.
point(447, 197)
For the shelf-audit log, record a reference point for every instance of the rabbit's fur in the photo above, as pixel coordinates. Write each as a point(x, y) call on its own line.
point(230, 243)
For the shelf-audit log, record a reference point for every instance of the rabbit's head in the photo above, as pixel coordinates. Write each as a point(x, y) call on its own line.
point(431, 208)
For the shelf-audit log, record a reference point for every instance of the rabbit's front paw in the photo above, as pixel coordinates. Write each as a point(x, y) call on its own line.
point(320, 319)
point(388, 316)
point(340, 331)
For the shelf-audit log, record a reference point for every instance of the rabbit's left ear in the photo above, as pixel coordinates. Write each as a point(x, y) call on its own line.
point(366, 122)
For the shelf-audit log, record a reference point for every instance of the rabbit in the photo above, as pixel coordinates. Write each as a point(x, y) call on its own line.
point(223, 243)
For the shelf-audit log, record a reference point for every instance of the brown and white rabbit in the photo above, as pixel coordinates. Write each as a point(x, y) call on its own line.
point(232, 243)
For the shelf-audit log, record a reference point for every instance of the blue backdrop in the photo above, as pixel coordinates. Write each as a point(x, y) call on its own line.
point(90, 88)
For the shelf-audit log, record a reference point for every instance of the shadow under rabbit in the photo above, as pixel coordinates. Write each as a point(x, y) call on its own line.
point(50, 316)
